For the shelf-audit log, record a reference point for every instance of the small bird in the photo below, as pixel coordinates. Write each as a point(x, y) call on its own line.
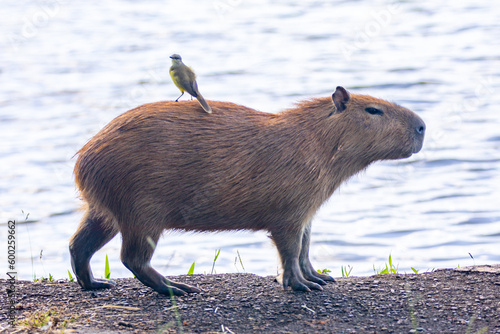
point(185, 79)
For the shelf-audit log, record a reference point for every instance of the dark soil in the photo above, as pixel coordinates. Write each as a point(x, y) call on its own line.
point(466, 300)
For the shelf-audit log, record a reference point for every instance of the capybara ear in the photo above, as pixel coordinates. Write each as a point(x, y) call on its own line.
point(340, 98)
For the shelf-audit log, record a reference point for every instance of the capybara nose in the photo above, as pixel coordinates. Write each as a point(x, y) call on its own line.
point(419, 138)
point(421, 128)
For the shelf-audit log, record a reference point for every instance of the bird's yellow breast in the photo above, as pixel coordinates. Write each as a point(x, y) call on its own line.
point(176, 80)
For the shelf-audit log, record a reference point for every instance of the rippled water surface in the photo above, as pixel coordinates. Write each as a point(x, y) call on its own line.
point(67, 68)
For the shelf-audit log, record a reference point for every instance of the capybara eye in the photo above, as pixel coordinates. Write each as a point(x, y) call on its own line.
point(374, 111)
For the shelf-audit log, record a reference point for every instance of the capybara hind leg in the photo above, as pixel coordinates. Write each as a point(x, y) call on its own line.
point(93, 233)
point(137, 250)
point(305, 264)
point(288, 243)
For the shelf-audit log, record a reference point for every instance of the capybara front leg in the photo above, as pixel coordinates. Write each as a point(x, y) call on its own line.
point(137, 250)
point(305, 264)
point(289, 243)
point(93, 233)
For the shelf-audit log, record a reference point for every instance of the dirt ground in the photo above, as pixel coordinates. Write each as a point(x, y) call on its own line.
point(465, 300)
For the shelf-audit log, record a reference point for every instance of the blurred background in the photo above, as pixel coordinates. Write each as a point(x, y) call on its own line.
point(67, 68)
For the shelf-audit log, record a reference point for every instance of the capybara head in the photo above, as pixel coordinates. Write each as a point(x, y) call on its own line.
point(378, 129)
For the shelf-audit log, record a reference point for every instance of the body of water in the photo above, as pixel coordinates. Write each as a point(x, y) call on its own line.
point(67, 68)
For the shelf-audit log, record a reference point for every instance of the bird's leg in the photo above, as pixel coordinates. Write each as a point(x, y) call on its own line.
point(179, 97)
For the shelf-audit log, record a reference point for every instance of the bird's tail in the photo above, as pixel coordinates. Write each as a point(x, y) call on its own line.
point(204, 104)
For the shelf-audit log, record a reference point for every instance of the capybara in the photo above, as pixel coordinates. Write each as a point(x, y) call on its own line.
point(169, 165)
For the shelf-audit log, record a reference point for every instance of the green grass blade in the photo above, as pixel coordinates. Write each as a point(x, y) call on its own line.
point(107, 273)
point(391, 266)
point(191, 270)
point(71, 279)
point(217, 252)
point(241, 261)
point(346, 272)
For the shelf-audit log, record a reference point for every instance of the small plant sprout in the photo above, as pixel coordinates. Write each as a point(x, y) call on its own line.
point(107, 273)
point(217, 252)
point(71, 279)
point(324, 271)
point(39, 319)
point(241, 262)
point(389, 268)
point(346, 271)
point(191, 270)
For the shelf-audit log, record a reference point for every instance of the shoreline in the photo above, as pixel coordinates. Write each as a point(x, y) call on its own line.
point(446, 300)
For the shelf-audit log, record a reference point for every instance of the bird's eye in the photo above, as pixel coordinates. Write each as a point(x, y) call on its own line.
point(374, 111)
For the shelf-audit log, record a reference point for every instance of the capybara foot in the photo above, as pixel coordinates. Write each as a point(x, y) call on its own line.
point(297, 283)
point(97, 283)
point(176, 289)
point(184, 287)
point(324, 277)
point(319, 278)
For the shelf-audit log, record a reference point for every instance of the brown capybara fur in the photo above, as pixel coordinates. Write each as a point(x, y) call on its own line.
point(169, 165)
